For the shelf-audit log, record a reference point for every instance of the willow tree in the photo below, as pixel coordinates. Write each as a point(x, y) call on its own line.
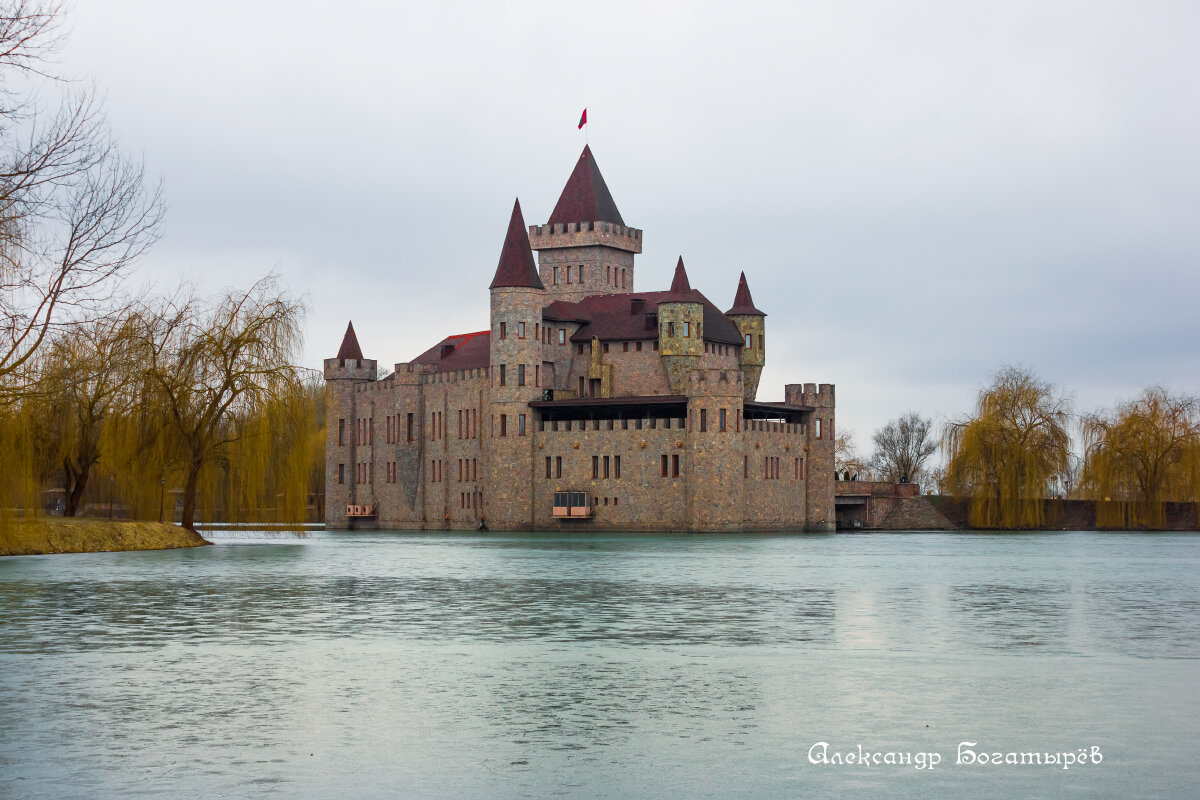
point(208, 370)
point(82, 387)
point(1004, 458)
point(1141, 455)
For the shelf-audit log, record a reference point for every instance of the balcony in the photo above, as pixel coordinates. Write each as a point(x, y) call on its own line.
point(571, 505)
point(360, 511)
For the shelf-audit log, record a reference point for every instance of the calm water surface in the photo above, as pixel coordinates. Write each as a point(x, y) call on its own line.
point(541, 665)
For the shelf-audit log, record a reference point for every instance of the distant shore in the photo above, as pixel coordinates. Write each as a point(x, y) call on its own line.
point(27, 537)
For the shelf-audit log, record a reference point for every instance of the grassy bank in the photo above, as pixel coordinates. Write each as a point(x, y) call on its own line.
point(23, 537)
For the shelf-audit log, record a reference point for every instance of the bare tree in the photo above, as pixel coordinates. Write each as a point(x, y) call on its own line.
point(74, 212)
point(847, 463)
point(902, 447)
point(208, 366)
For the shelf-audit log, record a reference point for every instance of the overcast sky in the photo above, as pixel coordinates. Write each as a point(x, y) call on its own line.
point(918, 192)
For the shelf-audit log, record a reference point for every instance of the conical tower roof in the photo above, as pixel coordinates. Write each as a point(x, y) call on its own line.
point(681, 290)
point(743, 304)
point(586, 198)
point(350, 348)
point(517, 267)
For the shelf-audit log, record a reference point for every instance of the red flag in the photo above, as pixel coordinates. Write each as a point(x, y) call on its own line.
point(583, 120)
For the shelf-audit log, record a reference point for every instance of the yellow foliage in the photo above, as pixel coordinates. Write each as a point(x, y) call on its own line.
point(1004, 458)
point(1141, 455)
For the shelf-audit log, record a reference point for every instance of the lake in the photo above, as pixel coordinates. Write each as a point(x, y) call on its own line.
point(390, 664)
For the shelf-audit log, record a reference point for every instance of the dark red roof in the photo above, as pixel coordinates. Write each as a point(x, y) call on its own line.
point(461, 351)
point(616, 316)
point(516, 267)
point(743, 304)
point(681, 288)
point(350, 348)
point(586, 198)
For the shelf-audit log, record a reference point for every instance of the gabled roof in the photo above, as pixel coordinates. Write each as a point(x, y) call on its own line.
point(516, 267)
point(461, 351)
point(586, 198)
point(616, 316)
point(681, 288)
point(350, 348)
point(743, 304)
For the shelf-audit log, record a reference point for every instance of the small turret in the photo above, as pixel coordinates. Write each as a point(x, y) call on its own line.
point(680, 330)
point(349, 363)
point(751, 323)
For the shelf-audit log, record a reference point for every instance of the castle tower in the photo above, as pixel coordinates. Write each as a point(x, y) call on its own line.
point(716, 489)
point(517, 299)
point(819, 450)
point(348, 441)
point(752, 323)
point(585, 248)
point(680, 330)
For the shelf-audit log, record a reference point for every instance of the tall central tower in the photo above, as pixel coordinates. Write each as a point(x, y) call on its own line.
point(585, 248)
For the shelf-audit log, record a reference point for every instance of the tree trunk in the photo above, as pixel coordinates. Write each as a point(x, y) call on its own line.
point(76, 495)
point(188, 516)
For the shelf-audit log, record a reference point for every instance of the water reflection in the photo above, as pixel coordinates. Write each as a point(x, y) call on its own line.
point(620, 666)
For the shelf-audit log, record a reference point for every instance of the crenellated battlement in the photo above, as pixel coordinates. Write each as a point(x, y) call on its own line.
point(351, 369)
point(817, 395)
point(585, 234)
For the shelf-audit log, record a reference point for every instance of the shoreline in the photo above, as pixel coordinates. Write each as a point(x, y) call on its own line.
point(55, 535)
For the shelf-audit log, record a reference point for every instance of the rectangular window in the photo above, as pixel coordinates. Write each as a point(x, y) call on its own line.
point(818, 427)
point(675, 466)
point(567, 269)
point(749, 340)
point(410, 427)
point(520, 424)
point(558, 466)
point(606, 466)
point(547, 467)
point(504, 424)
point(520, 375)
point(503, 330)
point(638, 346)
point(595, 466)
point(687, 328)
point(581, 394)
point(562, 335)
point(796, 472)
point(745, 466)
point(460, 470)
point(616, 466)
point(341, 432)
point(578, 349)
point(624, 347)
point(721, 421)
point(670, 329)
point(341, 473)
point(503, 374)
point(606, 347)
point(537, 331)
point(664, 465)
point(520, 330)
point(372, 428)
point(704, 420)
point(555, 273)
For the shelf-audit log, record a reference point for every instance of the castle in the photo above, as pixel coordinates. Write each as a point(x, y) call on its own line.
point(586, 405)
